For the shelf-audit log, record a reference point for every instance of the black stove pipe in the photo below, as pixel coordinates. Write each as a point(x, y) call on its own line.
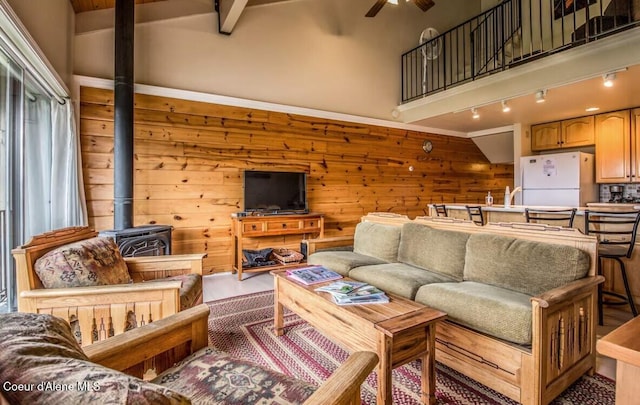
point(123, 114)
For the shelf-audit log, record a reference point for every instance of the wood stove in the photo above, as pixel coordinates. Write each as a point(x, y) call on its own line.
point(147, 240)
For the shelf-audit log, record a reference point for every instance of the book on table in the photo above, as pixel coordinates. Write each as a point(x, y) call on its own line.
point(313, 275)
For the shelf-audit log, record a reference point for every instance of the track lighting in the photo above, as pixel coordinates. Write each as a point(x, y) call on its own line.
point(540, 96)
point(608, 79)
point(474, 113)
point(505, 107)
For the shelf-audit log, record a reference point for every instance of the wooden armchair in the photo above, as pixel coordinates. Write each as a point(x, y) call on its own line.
point(159, 346)
point(188, 331)
point(99, 312)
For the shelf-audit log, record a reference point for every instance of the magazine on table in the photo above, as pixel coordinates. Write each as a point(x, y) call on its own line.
point(313, 275)
point(348, 292)
point(362, 299)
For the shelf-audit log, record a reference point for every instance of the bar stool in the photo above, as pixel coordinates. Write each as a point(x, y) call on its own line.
point(533, 214)
point(475, 214)
point(441, 210)
point(617, 236)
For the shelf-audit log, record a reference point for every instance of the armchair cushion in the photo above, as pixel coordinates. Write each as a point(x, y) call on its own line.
point(39, 352)
point(215, 377)
point(89, 262)
point(190, 289)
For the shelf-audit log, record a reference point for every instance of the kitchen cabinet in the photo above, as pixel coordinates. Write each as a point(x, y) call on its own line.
point(616, 148)
point(571, 133)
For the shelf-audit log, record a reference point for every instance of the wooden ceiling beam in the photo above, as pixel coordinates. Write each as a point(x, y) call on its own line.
point(229, 12)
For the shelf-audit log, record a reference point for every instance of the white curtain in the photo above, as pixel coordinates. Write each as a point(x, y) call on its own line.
point(54, 196)
point(68, 205)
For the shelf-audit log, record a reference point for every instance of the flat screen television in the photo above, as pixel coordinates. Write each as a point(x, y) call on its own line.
point(275, 192)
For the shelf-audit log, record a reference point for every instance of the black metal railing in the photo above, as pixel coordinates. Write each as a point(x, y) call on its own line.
point(511, 33)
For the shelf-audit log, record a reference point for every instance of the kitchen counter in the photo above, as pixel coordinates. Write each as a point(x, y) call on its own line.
point(521, 208)
point(511, 209)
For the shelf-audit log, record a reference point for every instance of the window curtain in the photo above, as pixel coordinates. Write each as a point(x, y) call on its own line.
point(54, 196)
point(68, 205)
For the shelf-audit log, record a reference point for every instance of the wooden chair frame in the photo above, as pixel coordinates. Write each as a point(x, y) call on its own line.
point(101, 308)
point(182, 334)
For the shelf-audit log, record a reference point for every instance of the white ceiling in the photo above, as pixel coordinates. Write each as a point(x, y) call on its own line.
point(562, 102)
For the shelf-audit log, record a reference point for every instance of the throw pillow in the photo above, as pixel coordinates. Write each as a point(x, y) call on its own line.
point(41, 363)
point(90, 262)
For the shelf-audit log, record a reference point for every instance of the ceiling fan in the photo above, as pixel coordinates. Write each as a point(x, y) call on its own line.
point(423, 4)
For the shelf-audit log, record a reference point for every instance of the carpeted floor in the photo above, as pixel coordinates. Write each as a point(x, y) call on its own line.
point(243, 326)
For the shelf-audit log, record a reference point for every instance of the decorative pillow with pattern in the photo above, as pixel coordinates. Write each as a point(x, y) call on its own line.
point(90, 262)
point(41, 363)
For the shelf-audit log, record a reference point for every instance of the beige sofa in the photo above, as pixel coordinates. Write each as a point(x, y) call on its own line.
point(520, 298)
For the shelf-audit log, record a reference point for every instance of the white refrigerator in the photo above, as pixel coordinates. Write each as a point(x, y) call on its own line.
point(559, 179)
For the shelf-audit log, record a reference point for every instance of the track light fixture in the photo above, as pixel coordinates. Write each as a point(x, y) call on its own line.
point(474, 113)
point(540, 96)
point(505, 107)
point(608, 79)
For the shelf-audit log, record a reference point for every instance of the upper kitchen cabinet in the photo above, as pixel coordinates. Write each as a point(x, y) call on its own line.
point(616, 147)
point(571, 133)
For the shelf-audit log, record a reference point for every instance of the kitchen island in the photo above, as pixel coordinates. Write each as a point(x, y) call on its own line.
point(499, 213)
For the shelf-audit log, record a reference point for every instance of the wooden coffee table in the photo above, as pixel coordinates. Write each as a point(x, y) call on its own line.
point(399, 332)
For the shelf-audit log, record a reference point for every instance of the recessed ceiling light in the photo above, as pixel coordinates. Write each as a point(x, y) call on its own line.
point(540, 96)
point(505, 107)
point(590, 109)
point(608, 79)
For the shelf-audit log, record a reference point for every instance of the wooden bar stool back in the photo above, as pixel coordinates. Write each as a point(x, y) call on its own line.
point(557, 216)
point(475, 214)
point(441, 210)
point(616, 232)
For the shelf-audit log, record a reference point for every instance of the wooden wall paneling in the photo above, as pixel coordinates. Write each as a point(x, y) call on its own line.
point(189, 158)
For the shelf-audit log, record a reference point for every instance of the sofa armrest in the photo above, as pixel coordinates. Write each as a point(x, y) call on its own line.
point(322, 243)
point(567, 292)
point(154, 267)
point(129, 349)
point(343, 386)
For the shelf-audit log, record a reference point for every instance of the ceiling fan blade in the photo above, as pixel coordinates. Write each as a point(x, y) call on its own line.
point(424, 4)
point(376, 7)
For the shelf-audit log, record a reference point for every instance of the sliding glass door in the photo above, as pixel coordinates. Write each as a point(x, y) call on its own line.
point(11, 103)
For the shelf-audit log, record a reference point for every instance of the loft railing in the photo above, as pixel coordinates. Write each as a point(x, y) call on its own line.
point(511, 33)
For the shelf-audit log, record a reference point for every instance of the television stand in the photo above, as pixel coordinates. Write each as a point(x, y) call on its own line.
point(263, 226)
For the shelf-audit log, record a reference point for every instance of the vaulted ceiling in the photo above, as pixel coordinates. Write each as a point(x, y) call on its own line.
point(80, 6)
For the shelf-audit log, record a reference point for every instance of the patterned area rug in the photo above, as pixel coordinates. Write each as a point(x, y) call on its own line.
point(243, 327)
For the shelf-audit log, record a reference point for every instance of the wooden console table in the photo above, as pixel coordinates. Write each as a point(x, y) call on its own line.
point(258, 226)
point(623, 345)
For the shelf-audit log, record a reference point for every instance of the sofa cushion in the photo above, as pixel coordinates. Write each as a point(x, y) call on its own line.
point(213, 377)
point(39, 350)
point(89, 262)
point(342, 261)
point(496, 311)
point(433, 249)
point(397, 278)
point(525, 266)
point(377, 240)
